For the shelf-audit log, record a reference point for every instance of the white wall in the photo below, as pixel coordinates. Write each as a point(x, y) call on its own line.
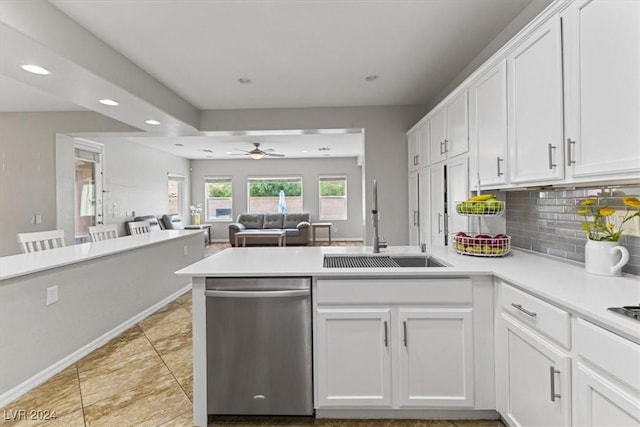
point(135, 175)
point(309, 169)
point(385, 148)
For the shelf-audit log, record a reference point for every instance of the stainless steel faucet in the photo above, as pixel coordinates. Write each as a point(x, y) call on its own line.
point(377, 243)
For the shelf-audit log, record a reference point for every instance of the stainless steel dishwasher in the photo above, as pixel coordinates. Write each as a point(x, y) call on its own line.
point(259, 346)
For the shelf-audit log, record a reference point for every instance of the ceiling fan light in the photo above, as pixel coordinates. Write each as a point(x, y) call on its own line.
point(256, 156)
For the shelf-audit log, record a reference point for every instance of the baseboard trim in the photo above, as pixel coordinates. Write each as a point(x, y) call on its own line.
point(42, 376)
point(409, 414)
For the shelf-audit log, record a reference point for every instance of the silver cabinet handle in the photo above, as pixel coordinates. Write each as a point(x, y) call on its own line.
point(569, 143)
point(441, 149)
point(552, 372)
point(446, 149)
point(551, 149)
point(257, 294)
point(417, 159)
point(500, 173)
point(404, 330)
point(524, 310)
point(386, 334)
point(439, 228)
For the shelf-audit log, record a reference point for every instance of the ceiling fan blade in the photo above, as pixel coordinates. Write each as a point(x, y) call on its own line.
point(239, 154)
point(244, 151)
point(274, 154)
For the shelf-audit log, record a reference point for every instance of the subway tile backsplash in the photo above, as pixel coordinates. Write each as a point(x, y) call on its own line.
point(546, 221)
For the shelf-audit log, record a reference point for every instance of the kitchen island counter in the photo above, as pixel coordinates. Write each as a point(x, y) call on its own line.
point(563, 283)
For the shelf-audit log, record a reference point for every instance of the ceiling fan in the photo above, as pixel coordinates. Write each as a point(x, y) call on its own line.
point(257, 153)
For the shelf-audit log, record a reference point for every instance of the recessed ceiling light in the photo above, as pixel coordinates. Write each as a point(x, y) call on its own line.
point(179, 145)
point(152, 122)
point(229, 152)
point(305, 151)
point(244, 80)
point(371, 77)
point(109, 102)
point(36, 69)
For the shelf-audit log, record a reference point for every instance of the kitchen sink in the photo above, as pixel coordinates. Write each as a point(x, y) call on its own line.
point(378, 261)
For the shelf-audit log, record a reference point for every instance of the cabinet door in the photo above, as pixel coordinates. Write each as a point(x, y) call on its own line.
point(353, 357)
point(437, 135)
point(488, 111)
point(436, 357)
point(536, 379)
point(436, 205)
point(414, 208)
point(423, 143)
point(457, 190)
point(457, 138)
point(412, 148)
point(603, 402)
point(423, 206)
point(602, 86)
point(535, 106)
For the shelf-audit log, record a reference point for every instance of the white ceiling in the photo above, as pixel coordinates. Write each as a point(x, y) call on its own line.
point(169, 59)
point(298, 53)
point(227, 145)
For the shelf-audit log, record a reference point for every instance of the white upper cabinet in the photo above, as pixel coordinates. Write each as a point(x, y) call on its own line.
point(449, 132)
point(488, 127)
point(438, 134)
point(602, 87)
point(535, 106)
point(413, 148)
point(418, 142)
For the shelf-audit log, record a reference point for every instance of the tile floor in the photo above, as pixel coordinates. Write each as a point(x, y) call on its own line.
point(144, 378)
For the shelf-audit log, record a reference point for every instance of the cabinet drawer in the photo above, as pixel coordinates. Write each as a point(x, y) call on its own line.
point(614, 354)
point(546, 318)
point(394, 291)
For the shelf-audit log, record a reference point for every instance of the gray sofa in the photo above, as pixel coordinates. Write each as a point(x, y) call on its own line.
point(296, 226)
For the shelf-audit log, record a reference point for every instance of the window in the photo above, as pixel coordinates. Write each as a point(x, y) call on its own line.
point(175, 190)
point(333, 198)
point(265, 194)
point(219, 199)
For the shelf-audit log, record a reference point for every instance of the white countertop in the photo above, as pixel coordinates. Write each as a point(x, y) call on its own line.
point(563, 283)
point(22, 264)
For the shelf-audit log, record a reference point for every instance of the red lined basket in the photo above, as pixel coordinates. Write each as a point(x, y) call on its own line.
point(482, 245)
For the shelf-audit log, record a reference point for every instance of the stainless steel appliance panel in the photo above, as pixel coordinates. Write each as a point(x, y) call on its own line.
point(259, 346)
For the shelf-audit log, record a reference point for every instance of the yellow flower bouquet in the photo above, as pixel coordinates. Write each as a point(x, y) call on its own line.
point(604, 225)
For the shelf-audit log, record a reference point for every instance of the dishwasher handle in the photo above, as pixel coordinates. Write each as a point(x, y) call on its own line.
point(257, 294)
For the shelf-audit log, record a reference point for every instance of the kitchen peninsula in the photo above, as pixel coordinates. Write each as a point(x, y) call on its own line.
point(60, 304)
point(524, 311)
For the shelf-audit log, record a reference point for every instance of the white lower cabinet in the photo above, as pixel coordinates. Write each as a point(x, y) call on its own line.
point(536, 378)
point(353, 358)
point(607, 378)
point(413, 351)
point(603, 402)
point(435, 348)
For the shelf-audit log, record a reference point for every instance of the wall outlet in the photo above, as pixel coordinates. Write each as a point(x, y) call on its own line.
point(52, 294)
point(35, 219)
point(186, 250)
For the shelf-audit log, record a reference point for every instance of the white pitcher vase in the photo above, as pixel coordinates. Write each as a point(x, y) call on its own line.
point(605, 258)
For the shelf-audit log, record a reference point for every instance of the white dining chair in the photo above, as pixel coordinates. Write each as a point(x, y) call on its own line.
point(103, 232)
point(139, 227)
point(40, 241)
